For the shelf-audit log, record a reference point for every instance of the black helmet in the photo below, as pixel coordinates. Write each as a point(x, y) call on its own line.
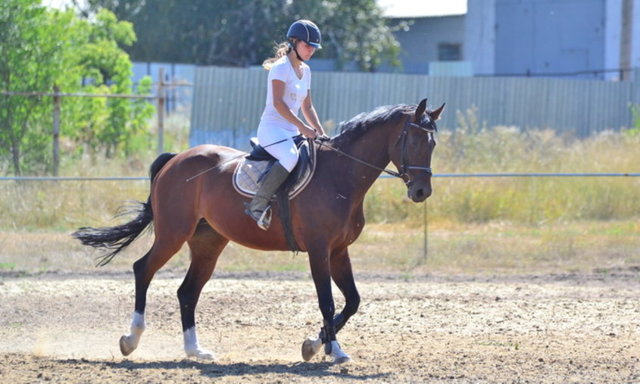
point(306, 31)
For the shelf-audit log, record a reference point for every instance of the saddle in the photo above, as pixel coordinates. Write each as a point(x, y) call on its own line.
point(256, 164)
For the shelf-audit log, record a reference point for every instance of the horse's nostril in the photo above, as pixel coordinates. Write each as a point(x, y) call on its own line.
point(420, 193)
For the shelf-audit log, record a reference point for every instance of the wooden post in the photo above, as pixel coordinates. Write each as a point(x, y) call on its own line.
point(56, 130)
point(161, 99)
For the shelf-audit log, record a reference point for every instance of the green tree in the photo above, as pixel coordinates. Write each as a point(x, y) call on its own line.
point(28, 56)
point(44, 48)
point(354, 30)
point(109, 69)
point(243, 33)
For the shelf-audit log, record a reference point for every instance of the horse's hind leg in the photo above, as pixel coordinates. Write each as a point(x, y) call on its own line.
point(144, 269)
point(206, 245)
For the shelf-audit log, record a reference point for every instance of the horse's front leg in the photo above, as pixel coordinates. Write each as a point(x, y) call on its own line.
point(343, 277)
point(322, 269)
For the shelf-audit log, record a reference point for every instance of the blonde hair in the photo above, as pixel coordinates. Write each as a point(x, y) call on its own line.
point(280, 50)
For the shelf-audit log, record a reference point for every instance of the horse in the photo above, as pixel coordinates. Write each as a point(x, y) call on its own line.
point(192, 200)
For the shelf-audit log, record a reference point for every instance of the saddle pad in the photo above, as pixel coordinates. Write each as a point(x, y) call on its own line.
point(249, 172)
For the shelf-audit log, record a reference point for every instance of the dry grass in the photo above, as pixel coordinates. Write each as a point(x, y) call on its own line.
point(499, 225)
point(454, 248)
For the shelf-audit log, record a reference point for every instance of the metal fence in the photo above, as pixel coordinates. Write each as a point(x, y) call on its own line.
point(425, 224)
point(228, 102)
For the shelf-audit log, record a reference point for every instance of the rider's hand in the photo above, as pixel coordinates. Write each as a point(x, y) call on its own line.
point(308, 132)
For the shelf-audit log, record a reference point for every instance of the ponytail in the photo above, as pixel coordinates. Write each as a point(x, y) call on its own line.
point(281, 50)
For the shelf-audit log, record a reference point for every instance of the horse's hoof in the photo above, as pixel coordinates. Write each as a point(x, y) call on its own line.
point(338, 355)
point(342, 359)
point(125, 346)
point(201, 354)
point(310, 348)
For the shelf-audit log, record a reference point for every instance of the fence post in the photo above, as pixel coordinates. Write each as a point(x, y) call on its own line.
point(161, 98)
point(56, 130)
point(425, 234)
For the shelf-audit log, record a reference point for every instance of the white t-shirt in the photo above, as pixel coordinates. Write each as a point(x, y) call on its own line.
point(295, 91)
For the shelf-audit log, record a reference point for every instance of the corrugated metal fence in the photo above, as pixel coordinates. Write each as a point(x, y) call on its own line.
point(228, 102)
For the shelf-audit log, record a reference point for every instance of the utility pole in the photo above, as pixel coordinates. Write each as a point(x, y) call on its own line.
point(626, 40)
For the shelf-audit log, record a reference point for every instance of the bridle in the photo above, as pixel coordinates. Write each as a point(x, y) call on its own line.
point(404, 167)
point(403, 151)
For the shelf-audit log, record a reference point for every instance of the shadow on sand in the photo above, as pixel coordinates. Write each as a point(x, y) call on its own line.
point(214, 370)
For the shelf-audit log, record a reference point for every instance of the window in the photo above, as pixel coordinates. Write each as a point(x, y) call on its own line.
point(449, 52)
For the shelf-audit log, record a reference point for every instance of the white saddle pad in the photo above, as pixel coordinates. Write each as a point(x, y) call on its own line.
point(249, 172)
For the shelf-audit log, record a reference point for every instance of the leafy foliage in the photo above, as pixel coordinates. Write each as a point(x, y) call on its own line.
point(29, 61)
point(42, 49)
point(243, 33)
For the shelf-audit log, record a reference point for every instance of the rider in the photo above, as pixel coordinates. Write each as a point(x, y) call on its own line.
point(288, 91)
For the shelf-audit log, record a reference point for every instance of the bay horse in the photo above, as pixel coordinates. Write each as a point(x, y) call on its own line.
point(327, 216)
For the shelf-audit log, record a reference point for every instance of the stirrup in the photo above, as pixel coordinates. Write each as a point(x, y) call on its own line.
point(264, 222)
point(263, 219)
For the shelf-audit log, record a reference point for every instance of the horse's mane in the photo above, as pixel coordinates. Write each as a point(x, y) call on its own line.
point(355, 127)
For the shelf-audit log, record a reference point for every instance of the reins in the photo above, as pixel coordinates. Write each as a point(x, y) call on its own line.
point(403, 166)
point(323, 142)
point(385, 170)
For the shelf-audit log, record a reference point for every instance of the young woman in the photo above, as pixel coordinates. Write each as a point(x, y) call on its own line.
point(288, 91)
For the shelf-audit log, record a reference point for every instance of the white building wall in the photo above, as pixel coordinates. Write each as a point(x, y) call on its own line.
point(613, 21)
point(480, 37)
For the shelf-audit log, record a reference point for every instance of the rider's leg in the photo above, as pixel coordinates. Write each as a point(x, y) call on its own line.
point(287, 155)
point(257, 208)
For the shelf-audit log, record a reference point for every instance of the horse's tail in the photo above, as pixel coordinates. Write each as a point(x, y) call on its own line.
point(116, 238)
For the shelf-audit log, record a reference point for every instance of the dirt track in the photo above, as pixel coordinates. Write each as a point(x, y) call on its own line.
point(541, 329)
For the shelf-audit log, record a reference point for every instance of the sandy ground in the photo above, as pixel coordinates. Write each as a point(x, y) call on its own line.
point(64, 328)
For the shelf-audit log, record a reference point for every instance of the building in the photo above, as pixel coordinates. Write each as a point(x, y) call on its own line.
point(567, 38)
point(596, 39)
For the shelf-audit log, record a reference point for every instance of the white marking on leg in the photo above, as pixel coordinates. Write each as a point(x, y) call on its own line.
point(128, 343)
point(192, 347)
point(338, 355)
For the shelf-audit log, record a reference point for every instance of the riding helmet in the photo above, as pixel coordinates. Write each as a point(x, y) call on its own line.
point(306, 31)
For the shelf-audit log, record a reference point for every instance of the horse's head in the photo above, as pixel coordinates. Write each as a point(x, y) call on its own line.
point(413, 149)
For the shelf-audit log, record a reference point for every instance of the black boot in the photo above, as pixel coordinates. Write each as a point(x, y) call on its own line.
point(259, 209)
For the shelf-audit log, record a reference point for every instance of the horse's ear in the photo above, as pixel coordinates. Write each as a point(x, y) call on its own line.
point(435, 115)
point(420, 110)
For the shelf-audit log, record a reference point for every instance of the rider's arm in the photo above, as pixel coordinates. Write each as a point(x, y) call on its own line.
point(309, 112)
point(277, 87)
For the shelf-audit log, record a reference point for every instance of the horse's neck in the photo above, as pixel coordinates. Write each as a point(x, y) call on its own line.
point(372, 148)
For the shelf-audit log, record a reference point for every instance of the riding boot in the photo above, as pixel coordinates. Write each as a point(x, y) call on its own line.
point(259, 209)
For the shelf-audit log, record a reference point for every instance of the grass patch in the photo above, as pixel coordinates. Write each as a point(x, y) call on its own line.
point(7, 266)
